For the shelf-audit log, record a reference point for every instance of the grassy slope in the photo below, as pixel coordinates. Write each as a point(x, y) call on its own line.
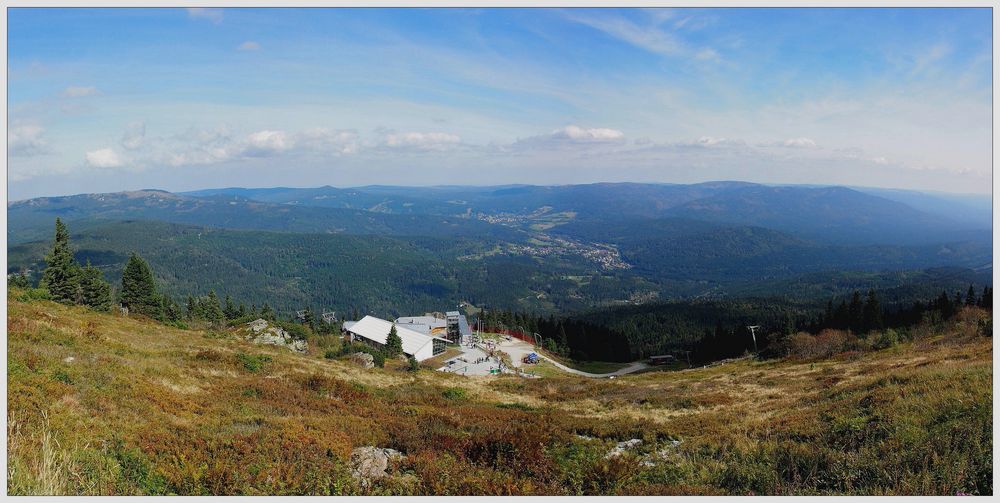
point(142, 408)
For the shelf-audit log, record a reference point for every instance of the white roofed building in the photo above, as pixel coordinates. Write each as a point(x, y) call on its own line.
point(374, 331)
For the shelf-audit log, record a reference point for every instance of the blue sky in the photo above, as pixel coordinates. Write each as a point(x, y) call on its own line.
point(104, 100)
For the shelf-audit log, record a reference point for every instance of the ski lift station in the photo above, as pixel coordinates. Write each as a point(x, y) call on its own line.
point(374, 332)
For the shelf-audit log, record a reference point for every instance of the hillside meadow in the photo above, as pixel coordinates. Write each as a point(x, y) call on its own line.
point(102, 404)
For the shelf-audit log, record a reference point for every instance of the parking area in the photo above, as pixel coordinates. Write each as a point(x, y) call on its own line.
point(472, 362)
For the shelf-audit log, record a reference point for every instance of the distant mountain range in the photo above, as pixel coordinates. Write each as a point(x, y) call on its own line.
point(540, 248)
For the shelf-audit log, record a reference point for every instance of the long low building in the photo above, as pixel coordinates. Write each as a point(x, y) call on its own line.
point(374, 331)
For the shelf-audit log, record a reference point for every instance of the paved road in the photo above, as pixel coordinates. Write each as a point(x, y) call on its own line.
point(518, 349)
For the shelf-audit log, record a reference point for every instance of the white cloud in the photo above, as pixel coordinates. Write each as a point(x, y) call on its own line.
point(326, 140)
point(800, 142)
point(26, 140)
point(266, 142)
point(577, 133)
point(572, 135)
point(213, 15)
point(249, 45)
point(104, 158)
point(79, 91)
point(422, 141)
point(134, 135)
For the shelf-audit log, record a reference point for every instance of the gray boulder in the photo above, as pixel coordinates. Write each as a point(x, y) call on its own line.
point(370, 463)
point(364, 360)
point(259, 331)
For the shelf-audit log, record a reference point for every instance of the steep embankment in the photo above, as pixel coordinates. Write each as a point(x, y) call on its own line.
point(100, 404)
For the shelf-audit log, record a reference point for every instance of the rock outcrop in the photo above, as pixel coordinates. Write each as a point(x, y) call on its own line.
point(370, 463)
point(259, 331)
point(364, 360)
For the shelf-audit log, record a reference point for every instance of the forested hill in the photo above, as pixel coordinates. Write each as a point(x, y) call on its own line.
point(32, 219)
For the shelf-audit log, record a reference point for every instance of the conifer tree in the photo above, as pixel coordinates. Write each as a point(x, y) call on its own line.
point(872, 312)
point(212, 308)
point(970, 298)
point(192, 307)
point(19, 280)
point(229, 311)
point(139, 288)
point(62, 273)
point(171, 311)
point(266, 312)
point(94, 291)
point(393, 343)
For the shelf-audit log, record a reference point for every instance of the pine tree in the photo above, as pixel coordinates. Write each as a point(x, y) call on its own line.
point(62, 273)
point(872, 312)
point(19, 280)
point(212, 308)
point(856, 312)
point(241, 311)
point(986, 301)
point(94, 291)
point(393, 343)
point(229, 311)
point(171, 311)
point(970, 298)
point(139, 288)
point(192, 307)
point(266, 312)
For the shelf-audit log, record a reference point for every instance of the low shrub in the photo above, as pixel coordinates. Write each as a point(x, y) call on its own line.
point(454, 393)
point(253, 363)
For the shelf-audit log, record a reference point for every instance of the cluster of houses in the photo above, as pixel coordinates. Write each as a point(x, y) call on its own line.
point(423, 336)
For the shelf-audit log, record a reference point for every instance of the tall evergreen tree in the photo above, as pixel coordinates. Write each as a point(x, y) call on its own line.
point(94, 291)
point(393, 343)
point(970, 297)
point(139, 288)
point(266, 312)
point(62, 273)
point(171, 311)
point(212, 308)
point(192, 307)
point(872, 312)
point(19, 280)
point(229, 310)
point(856, 312)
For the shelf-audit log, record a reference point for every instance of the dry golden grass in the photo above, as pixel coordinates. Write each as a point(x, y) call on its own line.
point(101, 404)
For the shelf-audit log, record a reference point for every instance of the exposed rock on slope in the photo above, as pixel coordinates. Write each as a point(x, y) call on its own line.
point(259, 331)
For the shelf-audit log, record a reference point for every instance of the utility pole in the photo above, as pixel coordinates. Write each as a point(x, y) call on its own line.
point(753, 334)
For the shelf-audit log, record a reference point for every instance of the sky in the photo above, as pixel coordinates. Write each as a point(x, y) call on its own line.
point(104, 100)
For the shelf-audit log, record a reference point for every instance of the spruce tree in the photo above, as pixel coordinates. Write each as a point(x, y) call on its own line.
point(19, 280)
point(230, 309)
point(213, 310)
point(266, 312)
point(192, 307)
point(62, 273)
point(872, 312)
point(139, 288)
point(970, 298)
point(393, 343)
point(94, 291)
point(171, 311)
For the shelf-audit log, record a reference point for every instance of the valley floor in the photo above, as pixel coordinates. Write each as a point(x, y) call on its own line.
point(101, 404)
